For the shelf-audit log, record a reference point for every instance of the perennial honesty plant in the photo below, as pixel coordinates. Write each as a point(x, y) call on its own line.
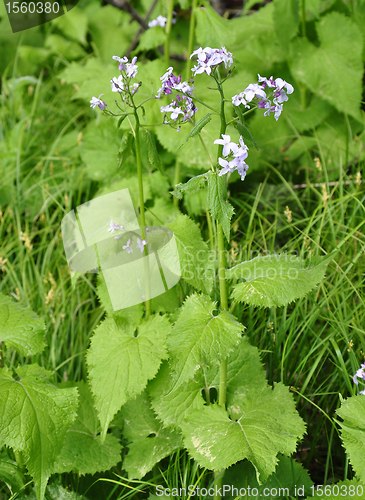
point(203, 347)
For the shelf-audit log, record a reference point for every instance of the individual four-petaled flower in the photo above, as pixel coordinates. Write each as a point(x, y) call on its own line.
point(96, 101)
point(141, 244)
point(360, 374)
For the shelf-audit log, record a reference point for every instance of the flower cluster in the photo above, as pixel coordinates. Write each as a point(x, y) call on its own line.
point(183, 105)
point(121, 83)
point(210, 58)
point(361, 374)
point(235, 156)
point(160, 21)
point(278, 90)
point(115, 226)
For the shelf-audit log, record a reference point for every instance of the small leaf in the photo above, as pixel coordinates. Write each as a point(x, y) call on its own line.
point(200, 337)
point(268, 425)
point(82, 451)
point(246, 134)
point(121, 363)
point(218, 205)
point(276, 280)
point(121, 120)
point(149, 442)
point(352, 412)
point(34, 418)
point(197, 128)
point(153, 156)
point(194, 184)
point(126, 147)
point(20, 328)
point(194, 256)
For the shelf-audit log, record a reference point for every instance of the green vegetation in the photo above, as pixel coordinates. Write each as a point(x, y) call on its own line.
point(242, 373)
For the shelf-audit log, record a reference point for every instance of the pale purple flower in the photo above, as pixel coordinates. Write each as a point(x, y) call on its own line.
point(228, 146)
point(266, 82)
point(118, 84)
point(228, 166)
point(209, 58)
point(235, 157)
point(127, 246)
point(122, 61)
point(141, 244)
point(131, 68)
point(114, 226)
point(160, 21)
point(254, 90)
point(278, 110)
point(240, 99)
point(359, 374)
point(96, 101)
point(280, 94)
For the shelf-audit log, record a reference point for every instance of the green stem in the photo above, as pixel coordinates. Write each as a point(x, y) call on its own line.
point(210, 230)
point(141, 204)
point(303, 32)
point(222, 278)
point(177, 180)
point(170, 8)
point(191, 38)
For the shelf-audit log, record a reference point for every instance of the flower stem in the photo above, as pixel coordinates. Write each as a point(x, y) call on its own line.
point(141, 204)
point(222, 279)
point(191, 38)
point(170, 8)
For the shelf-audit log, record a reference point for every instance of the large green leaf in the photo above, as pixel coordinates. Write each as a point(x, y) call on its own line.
point(334, 70)
point(257, 46)
point(99, 149)
point(149, 441)
point(289, 475)
point(82, 451)
point(121, 361)
point(286, 19)
point(200, 337)
point(263, 426)
point(34, 418)
point(218, 206)
point(20, 328)
point(195, 264)
point(245, 375)
point(276, 280)
point(213, 30)
point(352, 412)
point(173, 405)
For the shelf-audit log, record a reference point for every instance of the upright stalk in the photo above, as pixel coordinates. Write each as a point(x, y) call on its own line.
point(170, 9)
point(222, 276)
point(191, 38)
point(141, 204)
